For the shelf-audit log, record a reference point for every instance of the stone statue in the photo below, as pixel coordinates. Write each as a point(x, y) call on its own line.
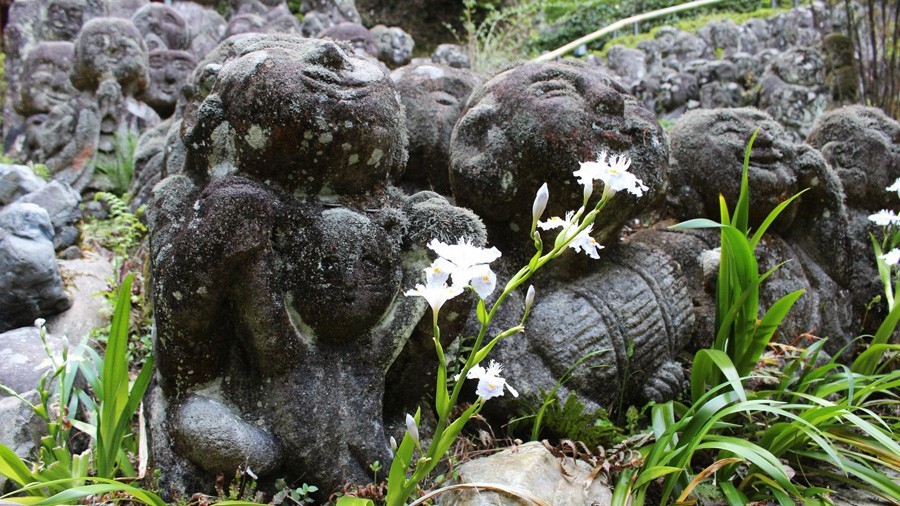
point(162, 27)
point(65, 18)
point(395, 47)
point(356, 34)
point(287, 194)
point(534, 124)
point(320, 15)
point(261, 16)
point(169, 72)
point(207, 27)
point(862, 144)
point(433, 97)
point(707, 155)
point(111, 70)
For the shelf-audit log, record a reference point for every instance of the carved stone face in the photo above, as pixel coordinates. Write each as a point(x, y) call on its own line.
point(169, 71)
point(65, 18)
point(708, 152)
point(246, 23)
point(45, 78)
point(261, 103)
point(110, 48)
point(862, 144)
point(534, 124)
point(345, 263)
point(162, 27)
point(433, 97)
point(356, 34)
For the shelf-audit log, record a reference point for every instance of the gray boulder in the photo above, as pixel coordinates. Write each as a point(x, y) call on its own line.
point(63, 204)
point(24, 359)
point(16, 181)
point(29, 278)
point(85, 280)
point(451, 55)
point(532, 469)
point(22, 429)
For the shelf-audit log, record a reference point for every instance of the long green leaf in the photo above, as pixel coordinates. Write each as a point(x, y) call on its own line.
point(754, 239)
point(760, 457)
point(400, 466)
point(13, 467)
point(749, 356)
point(705, 363)
point(742, 208)
point(650, 474)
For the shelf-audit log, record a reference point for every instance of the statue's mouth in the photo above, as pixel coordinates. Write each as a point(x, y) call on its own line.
point(336, 84)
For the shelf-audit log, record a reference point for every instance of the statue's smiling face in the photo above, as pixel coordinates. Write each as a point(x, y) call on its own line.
point(342, 273)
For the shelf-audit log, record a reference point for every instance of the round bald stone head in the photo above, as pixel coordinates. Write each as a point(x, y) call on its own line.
point(110, 48)
point(162, 27)
point(862, 144)
point(306, 114)
point(45, 78)
point(707, 158)
point(354, 33)
point(534, 124)
point(433, 97)
point(395, 47)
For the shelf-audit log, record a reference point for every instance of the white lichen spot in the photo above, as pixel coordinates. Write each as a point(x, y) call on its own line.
point(257, 137)
point(201, 290)
point(326, 138)
point(354, 159)
point(346, 146)
point(308, 135)
point(507, 181)
point(709, 261)
point(375, 159)
point(177, 295)
point(196, 205)
point(348, 124)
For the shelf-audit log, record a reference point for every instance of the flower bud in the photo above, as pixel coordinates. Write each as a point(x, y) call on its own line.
point(39, 322)
point(588, 191)
point(393, 443)
point(540, 202)
point(412, 428)
point(529, 298)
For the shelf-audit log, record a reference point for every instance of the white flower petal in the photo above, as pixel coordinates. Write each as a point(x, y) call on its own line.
point(892, 257)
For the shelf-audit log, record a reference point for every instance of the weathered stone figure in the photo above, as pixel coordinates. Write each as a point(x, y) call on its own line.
point(862, 144)
point(356, 34)
point(279, 257)
point(110, 69)
point(707, 155)
point(207, 27)
point(169, 72)
point(534, 124)
point(320, 15)
point(162, 27)
point(433, 97)
point(395, 47)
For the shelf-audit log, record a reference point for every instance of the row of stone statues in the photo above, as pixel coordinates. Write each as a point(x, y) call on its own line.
point(281, 243)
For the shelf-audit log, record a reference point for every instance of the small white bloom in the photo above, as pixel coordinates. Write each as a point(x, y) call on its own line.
point(529, 298)
point(885, 217)
point(892, 257)
point(438, 272)
point(613, 172)
point(540, 202)
point(895, 187)
point(463, 254)
point(584, 242)
point(482, 280)
point(393, 443)
point(556, 222)
point(40, 322)
point(490, 384)
point(435, 294)
point(412, 428)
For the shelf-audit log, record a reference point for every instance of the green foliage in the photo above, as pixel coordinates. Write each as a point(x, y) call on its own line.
point(820, 419)
point(287, 495)
point(60, 476)
point(122, 231)
point(739, 334)
point(496, 36)
point(572, 420)
point(119, 170)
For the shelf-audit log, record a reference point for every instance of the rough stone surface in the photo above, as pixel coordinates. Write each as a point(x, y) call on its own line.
point(707, 155)
point(85, 280)
point(21, 430)
point(533, 469)
point(16, 181)
point(63, 205)
point(433, 97)
point(395, 46)
point(24, 359)
point(451, 55)
point(862, 145)
point(357, 35)
point(286, 193)
point(535, 123)
point(29, 279)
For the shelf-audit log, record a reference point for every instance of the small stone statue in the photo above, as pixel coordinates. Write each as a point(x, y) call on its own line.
point(162, 27)
point(433, 97)
point(287, 194)
point(356, 34)
point(169, 72)
point(395, 46)
point(534, 124)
